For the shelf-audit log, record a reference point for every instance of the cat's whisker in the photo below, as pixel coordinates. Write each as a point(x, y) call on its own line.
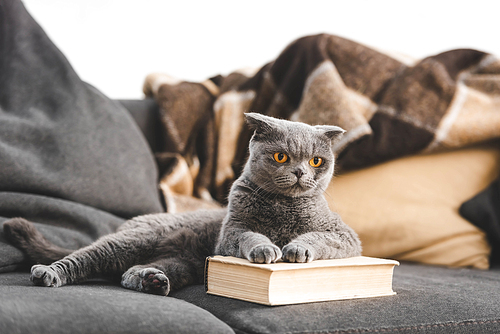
point(264, 186)
point(261, 187)
point(324, 191)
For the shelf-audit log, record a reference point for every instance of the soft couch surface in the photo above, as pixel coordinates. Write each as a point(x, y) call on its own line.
point(96, 307)
point(429, 300)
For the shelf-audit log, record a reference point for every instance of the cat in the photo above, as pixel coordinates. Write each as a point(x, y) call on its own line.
point(276, 210)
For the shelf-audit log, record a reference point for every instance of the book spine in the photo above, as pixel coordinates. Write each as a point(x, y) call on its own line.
point(207, 262)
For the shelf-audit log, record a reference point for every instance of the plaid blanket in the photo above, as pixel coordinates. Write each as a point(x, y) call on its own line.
point(389, 106)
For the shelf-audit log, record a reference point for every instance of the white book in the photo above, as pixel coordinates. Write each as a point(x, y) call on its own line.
point(284, 283)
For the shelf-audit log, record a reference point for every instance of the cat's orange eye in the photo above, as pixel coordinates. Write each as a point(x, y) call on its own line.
point(280, 157)
point(316, 162)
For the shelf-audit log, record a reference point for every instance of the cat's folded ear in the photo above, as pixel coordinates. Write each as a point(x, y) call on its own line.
point(331, 131)
point(261, 123)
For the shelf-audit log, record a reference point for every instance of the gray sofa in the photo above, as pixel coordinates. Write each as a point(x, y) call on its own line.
point(429, 299)
point(78, 165)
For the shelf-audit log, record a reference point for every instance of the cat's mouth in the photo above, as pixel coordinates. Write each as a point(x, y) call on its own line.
point(298, 186)
point(306, 183)
point(294, 183)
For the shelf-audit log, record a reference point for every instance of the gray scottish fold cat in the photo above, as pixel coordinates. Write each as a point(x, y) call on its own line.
point(276, 211)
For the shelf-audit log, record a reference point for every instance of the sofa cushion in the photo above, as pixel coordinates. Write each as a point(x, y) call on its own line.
point(96, 307)
point(72, 159)
point(429, 299)
point(483, 210)
point(408, 209)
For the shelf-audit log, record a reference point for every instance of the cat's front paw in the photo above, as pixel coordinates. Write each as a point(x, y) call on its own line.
point(265, 253)
point(295, 252)
point(45, 276)
point(148, 280)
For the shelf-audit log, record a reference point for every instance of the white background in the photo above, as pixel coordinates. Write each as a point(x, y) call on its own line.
point(114, 44)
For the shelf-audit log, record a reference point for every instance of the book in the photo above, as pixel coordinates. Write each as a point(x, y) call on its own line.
point(283, 283)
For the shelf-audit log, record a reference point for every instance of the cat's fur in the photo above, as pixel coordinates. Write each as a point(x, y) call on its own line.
point(275, 211)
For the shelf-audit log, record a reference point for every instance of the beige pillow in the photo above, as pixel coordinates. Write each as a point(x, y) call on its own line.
point(407, 209)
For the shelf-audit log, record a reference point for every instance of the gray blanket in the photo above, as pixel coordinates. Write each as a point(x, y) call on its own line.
point(71, 160)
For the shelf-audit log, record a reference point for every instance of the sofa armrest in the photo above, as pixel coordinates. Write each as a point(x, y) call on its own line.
point(146, 114)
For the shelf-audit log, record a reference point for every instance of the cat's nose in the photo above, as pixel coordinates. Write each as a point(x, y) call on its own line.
point(298, 173)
